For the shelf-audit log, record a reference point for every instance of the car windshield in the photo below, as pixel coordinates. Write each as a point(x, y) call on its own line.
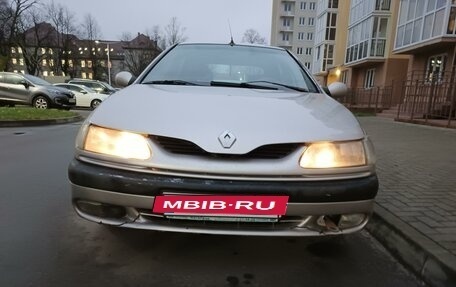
point(37, 81)
point(233, 66)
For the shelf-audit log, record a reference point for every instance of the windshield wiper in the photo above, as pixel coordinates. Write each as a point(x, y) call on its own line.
point(299, 89)
point(171, 82)
point(241, 85)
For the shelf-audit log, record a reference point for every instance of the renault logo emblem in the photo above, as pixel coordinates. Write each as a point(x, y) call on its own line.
point(227, 139)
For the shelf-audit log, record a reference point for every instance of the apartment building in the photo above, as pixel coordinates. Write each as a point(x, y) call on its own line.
point(426, 30)
point(52, 54)
point(369, 58)
point(331, 23)
point(293, 28)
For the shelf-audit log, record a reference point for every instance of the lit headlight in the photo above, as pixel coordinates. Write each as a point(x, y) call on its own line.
point(333, 154)
point(117, 143)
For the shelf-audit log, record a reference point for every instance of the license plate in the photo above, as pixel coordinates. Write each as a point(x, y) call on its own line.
point(214, 205)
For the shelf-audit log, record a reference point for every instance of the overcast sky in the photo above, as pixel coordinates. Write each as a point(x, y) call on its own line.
point(205, 20)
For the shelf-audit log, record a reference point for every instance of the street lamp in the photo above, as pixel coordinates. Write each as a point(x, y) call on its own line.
point(109, 61)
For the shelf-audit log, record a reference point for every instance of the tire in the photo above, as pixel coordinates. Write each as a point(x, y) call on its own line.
point(41, 102)
point(95, 103)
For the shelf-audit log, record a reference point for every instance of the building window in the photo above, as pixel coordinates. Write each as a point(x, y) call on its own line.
point(436, 68)
point(301, 36)
point(344, 76)
point(45, 73)
point(302, 21)
point(452, 20)
point(311, 21)
point(84, 75)
point(51, 62)
point(307, 65)
point(312, 6)
point(19, 50)
point(299, 51)
point(287, 7)
point(331, 20)
point(333, 4)
point(369, 79)
point(89, 64)
point(70, 63)
point(83, 63)
point(286, 36)
point(43, 51)
point(310, 36)
point(13, 50)
point(308, 51)
point(21, 62)
point(14, 61)
point(286, 23)
point(90, 76)
point(303, 5)
point(44, 62)
point(384, 5)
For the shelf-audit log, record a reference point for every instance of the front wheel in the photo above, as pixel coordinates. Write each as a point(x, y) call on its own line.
point(41, 102)
point(95, 103)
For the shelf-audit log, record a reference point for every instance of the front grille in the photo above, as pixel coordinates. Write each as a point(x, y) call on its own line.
point(179, 146)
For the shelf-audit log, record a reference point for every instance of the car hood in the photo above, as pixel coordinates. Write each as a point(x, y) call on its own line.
point(201, 114)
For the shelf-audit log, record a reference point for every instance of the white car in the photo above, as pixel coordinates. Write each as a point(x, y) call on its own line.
point(224, 139)
point(85, 97)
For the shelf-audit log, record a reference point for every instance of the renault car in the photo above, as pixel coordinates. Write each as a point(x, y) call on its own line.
point(224, 139)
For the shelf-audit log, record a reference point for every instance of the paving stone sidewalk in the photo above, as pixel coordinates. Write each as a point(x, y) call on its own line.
point(416, 167)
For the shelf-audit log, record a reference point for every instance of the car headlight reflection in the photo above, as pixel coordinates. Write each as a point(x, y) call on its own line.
point(117, 143)
point(333, 155)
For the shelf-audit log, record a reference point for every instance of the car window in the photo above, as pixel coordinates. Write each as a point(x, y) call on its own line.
point(14, 79)
point(2, 78)
point(240, 64)
point(37, 81)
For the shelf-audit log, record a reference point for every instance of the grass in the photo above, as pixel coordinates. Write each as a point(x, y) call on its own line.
point(29, 113)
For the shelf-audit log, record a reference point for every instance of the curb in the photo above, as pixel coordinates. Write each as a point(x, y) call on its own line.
point(32, 123)
point(428, 260)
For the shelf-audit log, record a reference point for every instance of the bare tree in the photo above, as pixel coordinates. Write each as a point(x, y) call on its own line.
point(253, 37)
point(139, 52)
point(63, 21)
point(36, 38)
point(156, 35)
point(11, 18)
point(91, 32)
point(174, 33)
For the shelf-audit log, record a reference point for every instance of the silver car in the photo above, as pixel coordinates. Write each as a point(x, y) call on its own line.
point(224, 139)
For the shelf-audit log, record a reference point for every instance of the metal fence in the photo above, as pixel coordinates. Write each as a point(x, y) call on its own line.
point(428, 100)
point(423, 97)
point(376, 98)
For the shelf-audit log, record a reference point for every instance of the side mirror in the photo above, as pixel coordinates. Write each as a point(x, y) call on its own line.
point(338, 90)
point(24, 83)
point(124, 79)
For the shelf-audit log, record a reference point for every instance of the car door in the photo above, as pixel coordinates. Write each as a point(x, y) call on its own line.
point(17, 90)
point(82, 97)
point(3, 88)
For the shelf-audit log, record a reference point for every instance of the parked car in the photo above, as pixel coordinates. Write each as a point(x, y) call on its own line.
point(85, 97)
point(98, 86)
point(224, 139)
point(30, 90)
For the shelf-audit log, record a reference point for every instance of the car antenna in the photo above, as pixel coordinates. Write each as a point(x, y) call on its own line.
point(231, 34)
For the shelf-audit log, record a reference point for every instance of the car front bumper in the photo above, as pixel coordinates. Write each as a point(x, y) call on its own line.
point(125, 198)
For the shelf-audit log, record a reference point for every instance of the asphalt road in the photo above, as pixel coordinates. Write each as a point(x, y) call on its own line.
point(44, 243)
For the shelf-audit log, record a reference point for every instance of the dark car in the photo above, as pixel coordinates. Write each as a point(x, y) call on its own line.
point(98, 86)
point(30, 90)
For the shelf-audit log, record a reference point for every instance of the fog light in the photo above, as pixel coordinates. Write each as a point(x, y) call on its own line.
point(351, 220)
point(101, 210)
